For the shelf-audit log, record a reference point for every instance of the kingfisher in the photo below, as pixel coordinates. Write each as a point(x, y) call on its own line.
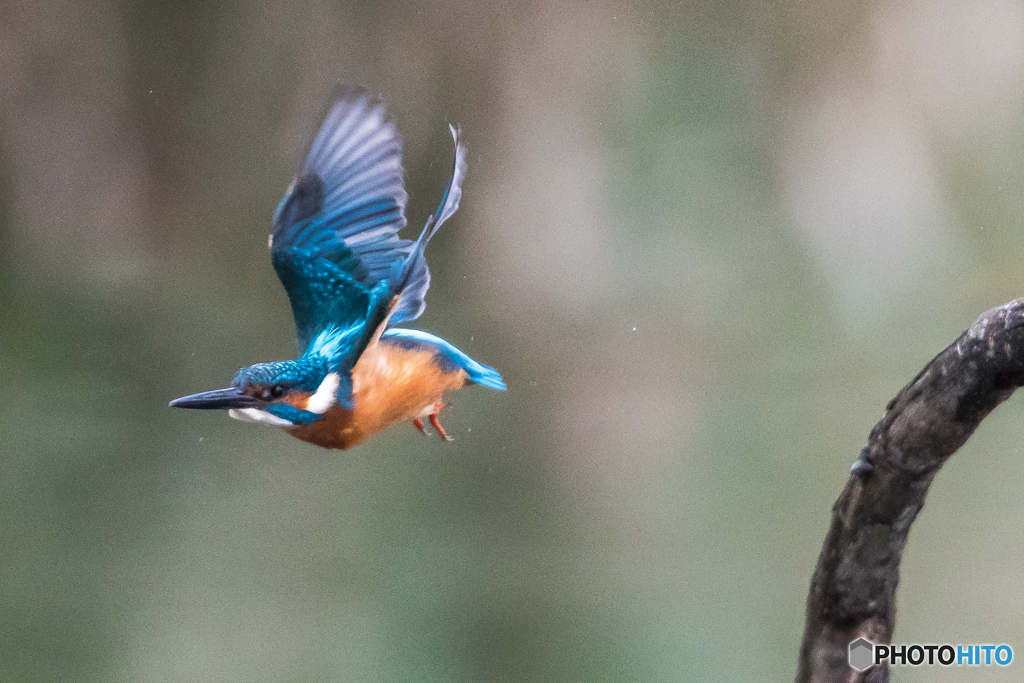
point(351, 280)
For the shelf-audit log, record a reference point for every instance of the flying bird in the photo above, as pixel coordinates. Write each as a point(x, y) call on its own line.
point(351, 279)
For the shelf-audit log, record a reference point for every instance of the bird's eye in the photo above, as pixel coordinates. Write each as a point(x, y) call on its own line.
point(277, 391)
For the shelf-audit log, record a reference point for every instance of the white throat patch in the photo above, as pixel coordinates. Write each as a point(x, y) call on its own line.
point(325, 396)
point(257, 415)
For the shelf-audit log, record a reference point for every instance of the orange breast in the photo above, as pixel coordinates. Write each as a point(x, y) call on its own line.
point(389, 384)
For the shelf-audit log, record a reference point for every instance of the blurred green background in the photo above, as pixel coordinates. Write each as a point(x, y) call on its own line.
point(704, 242)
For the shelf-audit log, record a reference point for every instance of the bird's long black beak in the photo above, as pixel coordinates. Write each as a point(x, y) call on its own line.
point(221, 399)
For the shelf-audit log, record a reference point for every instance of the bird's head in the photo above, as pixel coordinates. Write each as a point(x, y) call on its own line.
point(283, 393)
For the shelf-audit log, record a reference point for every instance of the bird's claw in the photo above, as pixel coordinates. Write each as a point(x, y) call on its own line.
point(418, 423)
point(437, 426)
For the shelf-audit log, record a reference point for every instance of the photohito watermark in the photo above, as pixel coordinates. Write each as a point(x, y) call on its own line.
point(864, 654)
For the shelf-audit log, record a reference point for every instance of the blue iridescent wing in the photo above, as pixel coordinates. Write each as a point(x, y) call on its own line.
point(336, 229)
point(324, 296)
point(335, 244)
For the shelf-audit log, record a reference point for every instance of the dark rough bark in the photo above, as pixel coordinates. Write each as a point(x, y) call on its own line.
point(853, 592)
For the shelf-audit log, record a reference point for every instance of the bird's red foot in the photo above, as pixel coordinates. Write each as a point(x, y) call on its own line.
point(418, 424)
point(437, 425)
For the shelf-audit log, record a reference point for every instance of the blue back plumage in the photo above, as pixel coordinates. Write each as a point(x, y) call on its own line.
point(447, 355)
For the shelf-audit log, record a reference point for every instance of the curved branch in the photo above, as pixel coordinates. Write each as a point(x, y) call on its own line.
point(853, 592)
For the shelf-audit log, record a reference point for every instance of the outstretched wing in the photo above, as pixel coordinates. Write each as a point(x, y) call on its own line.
point(412, 277)
point(336, 229)
point(335, 244)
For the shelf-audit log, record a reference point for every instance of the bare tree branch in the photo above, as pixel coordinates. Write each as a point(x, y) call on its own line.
point(853, 592)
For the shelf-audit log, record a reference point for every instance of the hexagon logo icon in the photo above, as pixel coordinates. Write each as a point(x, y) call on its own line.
point(862, 654)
